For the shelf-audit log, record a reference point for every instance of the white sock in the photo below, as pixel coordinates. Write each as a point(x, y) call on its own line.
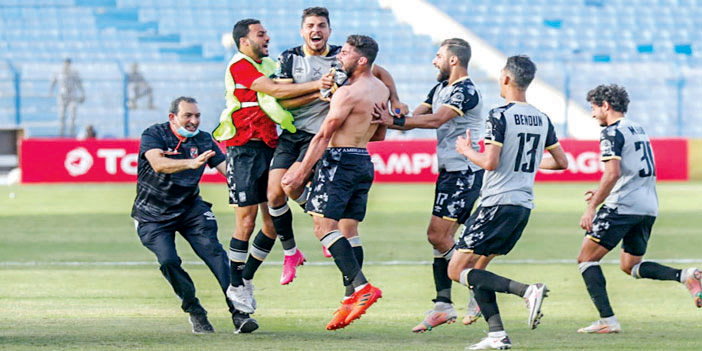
point(360, 287)
point(610, 320)
point(497, 334)
point(290, 252)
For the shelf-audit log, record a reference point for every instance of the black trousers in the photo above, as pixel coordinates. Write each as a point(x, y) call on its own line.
point(199, 227)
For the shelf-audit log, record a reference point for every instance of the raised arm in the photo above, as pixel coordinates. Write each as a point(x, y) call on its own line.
point(285, 90)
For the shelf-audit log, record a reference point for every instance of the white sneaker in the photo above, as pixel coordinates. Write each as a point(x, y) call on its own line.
point(492, 343)
point(534, 297)
point(248, 284)
point(601, 327)
point(472, 312)
point(692, 278)
point(240, 298)
point(442, 313)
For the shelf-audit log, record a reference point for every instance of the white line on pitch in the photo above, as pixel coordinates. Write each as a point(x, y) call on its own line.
point(326, 263)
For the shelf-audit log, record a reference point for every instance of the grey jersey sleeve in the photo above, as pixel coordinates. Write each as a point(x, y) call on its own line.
point(462, 98)
point(611, 144)
point(283, 70)
point(551, 138)
point(430, 97)
point(495, 127)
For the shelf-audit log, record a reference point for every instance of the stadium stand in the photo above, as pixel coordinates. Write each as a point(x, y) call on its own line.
point(178, 46)
point(178, 43)
point(653, 48)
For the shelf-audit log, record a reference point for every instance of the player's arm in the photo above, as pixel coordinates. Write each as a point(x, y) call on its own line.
point(487, 160)
point(379, 134)
point(162, 164)
point(285, 91)
point(340, 107)
point(299, 101)
point(420, 119)
point(396, 105)
point(222, 168)
point(611, 145)
point(557, 161)
point(611, 174)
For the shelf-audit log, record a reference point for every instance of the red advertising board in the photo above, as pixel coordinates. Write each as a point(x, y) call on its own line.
point(102, 160)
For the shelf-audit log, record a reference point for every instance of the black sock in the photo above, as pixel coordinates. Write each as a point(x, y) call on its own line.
point(487, 301)
point(597, 287)
point(260, 249)
point(442, 282)
point(282, 221)
point(653, 270)
point(343, 256)
point(485, 280)
point(238, 250)
point(358, 253)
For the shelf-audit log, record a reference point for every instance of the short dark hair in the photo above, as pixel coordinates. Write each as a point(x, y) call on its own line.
point(459, 48)
point(615, 95)
point(174, 104)
point(315, 11)
point(365, 45)
point(241, 29)
point(522, 69)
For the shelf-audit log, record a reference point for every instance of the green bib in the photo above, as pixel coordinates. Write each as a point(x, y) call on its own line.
point(270, 106)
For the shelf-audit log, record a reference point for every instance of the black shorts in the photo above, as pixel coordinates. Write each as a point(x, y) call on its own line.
point(493, 230)
point(291, 148)
point(340, 185)
point(247, 173)
point(455, 194)
point(610, 227)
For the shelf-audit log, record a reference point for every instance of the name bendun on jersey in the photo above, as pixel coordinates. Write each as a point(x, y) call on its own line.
point(635, 190)
point(528, 132)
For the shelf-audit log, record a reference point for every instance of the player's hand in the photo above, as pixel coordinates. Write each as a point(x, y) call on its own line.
point(589, 194)
point(326, 82)
point(464, 144)
point(381, 115)
point(399, 108)
point(587, 219)
point(200, 160)
point(293, 178)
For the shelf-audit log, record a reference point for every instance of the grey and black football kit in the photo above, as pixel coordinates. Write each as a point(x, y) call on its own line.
point(297, 66)
point(459, 182)
point(631, 208)
point(170, 203)
point(506, 198)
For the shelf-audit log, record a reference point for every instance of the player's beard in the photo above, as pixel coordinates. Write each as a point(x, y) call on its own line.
point(349, 70)
point(443, 75)
point(258, 50)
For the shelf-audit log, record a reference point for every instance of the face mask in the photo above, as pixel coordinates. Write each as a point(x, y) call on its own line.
point(186, 133)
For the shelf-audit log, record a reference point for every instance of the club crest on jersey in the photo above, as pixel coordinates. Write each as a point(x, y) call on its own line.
point(606, 147)
point(193, 152)
point(457, 98)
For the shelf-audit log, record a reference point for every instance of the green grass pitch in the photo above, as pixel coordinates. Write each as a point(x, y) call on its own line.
point(74, 276)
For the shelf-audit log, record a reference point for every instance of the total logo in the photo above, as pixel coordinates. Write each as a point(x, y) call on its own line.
point(80, 161)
